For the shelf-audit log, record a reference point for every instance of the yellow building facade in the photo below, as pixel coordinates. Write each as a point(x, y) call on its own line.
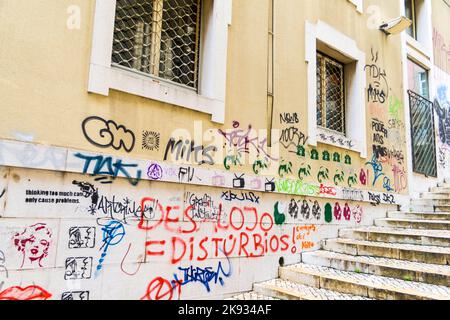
point(144, 143)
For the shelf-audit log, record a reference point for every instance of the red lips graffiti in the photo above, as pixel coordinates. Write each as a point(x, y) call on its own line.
point(28, 293)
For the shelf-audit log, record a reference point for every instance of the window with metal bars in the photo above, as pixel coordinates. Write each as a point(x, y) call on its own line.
point(330, 94)
point(422, 135)
point(160, 38)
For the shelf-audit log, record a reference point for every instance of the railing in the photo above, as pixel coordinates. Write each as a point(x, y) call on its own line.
point(422, 135)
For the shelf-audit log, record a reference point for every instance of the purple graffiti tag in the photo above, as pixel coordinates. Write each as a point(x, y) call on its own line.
point(155, 172)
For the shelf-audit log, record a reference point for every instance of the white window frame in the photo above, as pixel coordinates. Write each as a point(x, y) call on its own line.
point(424, 44)
point(355, 83)
point(210, 96)
point(358, 4)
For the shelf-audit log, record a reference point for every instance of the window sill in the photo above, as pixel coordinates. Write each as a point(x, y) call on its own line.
point(418, 47)
point(131, 82)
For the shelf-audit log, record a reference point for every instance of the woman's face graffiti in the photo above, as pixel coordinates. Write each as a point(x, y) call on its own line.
point(34, 243)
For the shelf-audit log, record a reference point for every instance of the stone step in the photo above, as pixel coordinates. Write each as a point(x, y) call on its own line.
point(419, 215)
point(399, 269)
point(436, 195)
point(365, 285)
point(392, 235)
point(287, 290)
point(440, 190)
point(445, 203)
point(252, 296)
point(433, 208)
point(443, 185)
point(413, 224)
point(409, 252)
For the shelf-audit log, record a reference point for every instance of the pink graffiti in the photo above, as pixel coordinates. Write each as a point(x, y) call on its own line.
point(357, 213)
point(34, 243)
point(400, 182)
point(246, 141)
point(363, 177)
point(347, 212)
point(337, 212)
point(327, 190)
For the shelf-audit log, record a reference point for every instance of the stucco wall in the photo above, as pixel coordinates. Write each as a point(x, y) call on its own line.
point(51, 142)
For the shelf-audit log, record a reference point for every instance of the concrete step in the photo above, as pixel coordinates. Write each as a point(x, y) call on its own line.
point(433, 208)
point(440, 190)
point(431, 203)
point(413, 224)
point(444, 184)
point(399, 269)
point(409, 252)
point(252, 296)
point(435, 195)
point(365, 285)
point(287, 290)
point(392, 235)
point(419, 215)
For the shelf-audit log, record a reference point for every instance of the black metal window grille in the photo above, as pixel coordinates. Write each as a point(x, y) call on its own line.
point(330, 94)
point(422, 135)
point(159, 38)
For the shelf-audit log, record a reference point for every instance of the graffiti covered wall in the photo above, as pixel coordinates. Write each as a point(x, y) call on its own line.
point(441, 94)
point(122, 197)
point(68, 236)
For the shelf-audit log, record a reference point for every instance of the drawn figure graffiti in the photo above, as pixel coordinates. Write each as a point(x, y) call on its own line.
point(442, 108)
point(357, 213)
point(363, 177)
point(285, 169)
point(328, 213)
point(347, 212)
point(316, 210)
point(304, 171)
point(3, 266)
point(34, 243)
point(293, 209)
point(306, 210)
point(323, 174)
point(280, 218)
point(352, 180)
point(339, 177)
point(337, 212)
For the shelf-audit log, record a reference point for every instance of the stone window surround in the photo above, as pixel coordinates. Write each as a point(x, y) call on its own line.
point(210, 97)
point(355, 85)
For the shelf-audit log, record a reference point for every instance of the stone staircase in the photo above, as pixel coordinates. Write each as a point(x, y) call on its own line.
point(403, 256)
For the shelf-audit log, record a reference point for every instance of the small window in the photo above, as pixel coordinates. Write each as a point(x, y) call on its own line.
point(410, 13)
point(159, 38)
point(330, 94)
point(418, 79)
